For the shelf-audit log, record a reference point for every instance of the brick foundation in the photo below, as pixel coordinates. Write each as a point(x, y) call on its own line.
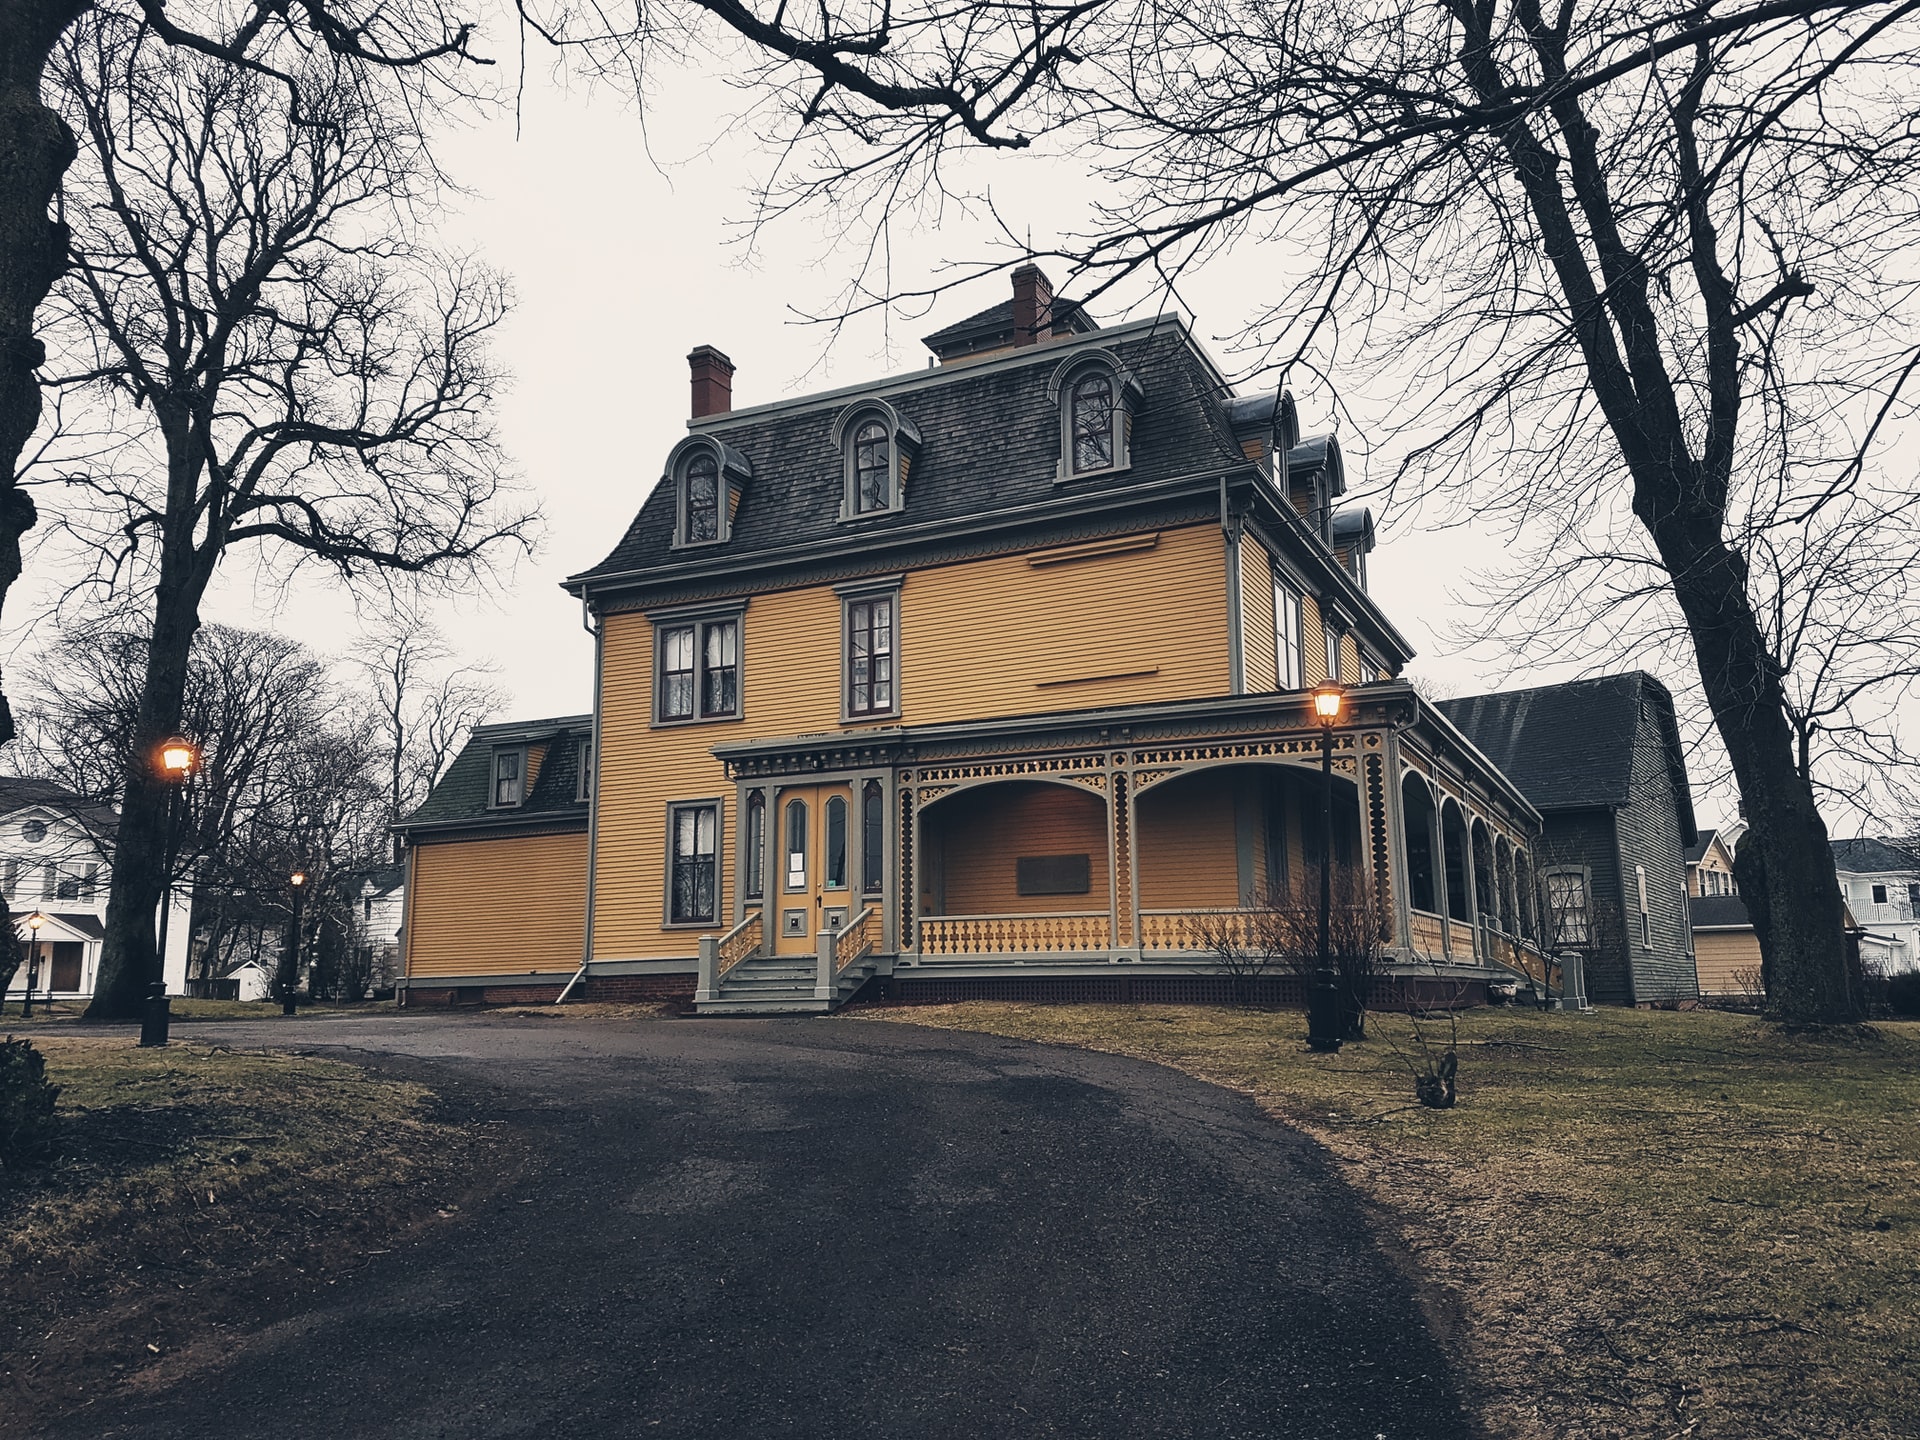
point(614, 989)
point(1279, 991)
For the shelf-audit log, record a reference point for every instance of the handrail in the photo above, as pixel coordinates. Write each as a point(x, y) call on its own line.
point(856, 940)
point(741, 942)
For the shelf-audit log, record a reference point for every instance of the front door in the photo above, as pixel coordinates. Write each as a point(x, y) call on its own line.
point(812, 865)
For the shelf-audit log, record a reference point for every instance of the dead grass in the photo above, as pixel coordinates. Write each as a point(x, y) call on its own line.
point(182, 1008)
point(192, 1182)
point(1635, 1224)
point(589, 1010)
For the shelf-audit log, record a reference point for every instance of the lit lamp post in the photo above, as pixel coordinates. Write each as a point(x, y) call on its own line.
point(1324, 1020)
point(179, 757)
point(290, 966)
point(34, 922)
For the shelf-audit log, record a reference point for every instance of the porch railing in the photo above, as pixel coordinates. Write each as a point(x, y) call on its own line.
point(1062, 932)
point(859, 940)
point(1190, 930)
point(741, 942)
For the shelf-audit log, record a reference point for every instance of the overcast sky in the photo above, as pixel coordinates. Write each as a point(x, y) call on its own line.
point(624, 244)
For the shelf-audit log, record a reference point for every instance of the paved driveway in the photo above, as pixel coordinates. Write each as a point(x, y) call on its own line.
point(840, 1228)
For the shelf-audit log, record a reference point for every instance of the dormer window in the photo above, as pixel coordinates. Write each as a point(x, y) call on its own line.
point(1097, 401)
point(509, 777)
point(879, 447)
point(708, 480)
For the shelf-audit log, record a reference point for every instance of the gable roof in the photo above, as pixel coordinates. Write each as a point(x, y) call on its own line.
point(18, 792)
point(1570, 747)
point(459, 800)
point(1697, 851)
point(1872, 857)
point(992, 445)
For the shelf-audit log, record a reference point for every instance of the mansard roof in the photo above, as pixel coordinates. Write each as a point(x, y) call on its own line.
point(1570, 747)
point(992, 445)
point(460, 798)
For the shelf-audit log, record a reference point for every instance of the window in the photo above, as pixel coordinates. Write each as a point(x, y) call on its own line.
point(1879, 894)
point(1092, 423)
point(509, 777)
point(870, 689)
point(872, 838)
point(583, 785)
point(699, 667)
point(1913, 898)
point(754, 884)
point(1567, 908)
point(836, 843)
point(89, 882)
point(1646, 920)
point(702, 507)
point(1286, 630)
point(68, 887)
point(34, 831)
point(872, 469)
point(796, 845)
point(1369, 672)
point(693, 887)
point(366, 908)
point(1333, 653)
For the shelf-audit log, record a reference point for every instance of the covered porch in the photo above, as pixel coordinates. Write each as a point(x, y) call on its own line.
point(1114, 841)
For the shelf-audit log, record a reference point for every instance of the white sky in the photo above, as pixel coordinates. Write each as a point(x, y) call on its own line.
point(623, 243)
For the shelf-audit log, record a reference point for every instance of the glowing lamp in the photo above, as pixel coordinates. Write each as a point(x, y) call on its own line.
point(179, 757)
point(35, 921)
point(299, 877)
point(1327, 700)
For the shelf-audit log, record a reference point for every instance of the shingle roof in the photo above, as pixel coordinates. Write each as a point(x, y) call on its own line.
point(1717, 912)
point(1697, 851)
point(462, 793)
point(18, 792)
point(1570, 747)
point(992, 443)
point(1872, 857)
point(995, 325)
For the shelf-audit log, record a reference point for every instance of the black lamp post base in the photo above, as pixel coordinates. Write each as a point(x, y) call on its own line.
point(1324, 1021)
point(156, 1019)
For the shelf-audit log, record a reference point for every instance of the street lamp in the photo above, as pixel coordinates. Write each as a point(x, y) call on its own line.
point(34, 922)
point(290, 965)
point(175, 763)
point(1323, 995)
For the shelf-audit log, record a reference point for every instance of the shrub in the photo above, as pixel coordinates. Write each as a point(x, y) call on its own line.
point(1903, 993)
point(27, 1123)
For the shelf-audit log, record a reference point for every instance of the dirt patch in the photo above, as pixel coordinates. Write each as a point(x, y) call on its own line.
point(199, 1190)
point(1635, 1224)
point(602, 1010)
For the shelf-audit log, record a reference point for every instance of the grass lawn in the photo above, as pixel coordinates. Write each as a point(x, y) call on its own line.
point(1635, 1223)
point(193, 1182)
point(182, 1008)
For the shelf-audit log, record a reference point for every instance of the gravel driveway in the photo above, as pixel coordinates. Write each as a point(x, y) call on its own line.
point(834, 1227)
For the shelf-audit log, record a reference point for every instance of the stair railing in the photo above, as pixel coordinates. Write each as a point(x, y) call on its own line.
point(841, 949)
point(720, 953)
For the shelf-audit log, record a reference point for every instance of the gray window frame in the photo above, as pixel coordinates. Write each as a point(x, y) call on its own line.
point(493, 776)
point(719, 807)
point(888, 589)
point(697, 619)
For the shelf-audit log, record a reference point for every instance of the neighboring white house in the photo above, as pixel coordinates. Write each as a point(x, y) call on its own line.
point(382, 911)
point(1881, 883)
point(54, 862)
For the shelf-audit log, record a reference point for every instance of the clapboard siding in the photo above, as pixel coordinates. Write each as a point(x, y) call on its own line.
point(974, 840)
point(491, 907)
point(1257, 634)
point(1186, 839)
point(1728, 961)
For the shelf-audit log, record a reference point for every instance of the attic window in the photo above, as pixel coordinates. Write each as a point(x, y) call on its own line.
point(1097, 400)
point(1092, 423)
point(509, 778)
point(702, 500)
point(878, 447)
point(708, 479)
point(872, 485)
point(34, 831)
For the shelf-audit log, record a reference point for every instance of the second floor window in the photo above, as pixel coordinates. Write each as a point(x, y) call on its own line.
point(1092, 422)
point(509, 777)
point(1333, 654)
point(870, 656)
point(699, 669)
point(1286, 630)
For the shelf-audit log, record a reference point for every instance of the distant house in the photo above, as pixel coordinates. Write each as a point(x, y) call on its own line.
point(1726, 952)
point(1710, 865)
point(1601, 760)
point(380, 913)
point(55, 861)
point(1880, 882)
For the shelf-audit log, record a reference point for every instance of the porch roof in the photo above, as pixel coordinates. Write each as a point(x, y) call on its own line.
point(1384, 704)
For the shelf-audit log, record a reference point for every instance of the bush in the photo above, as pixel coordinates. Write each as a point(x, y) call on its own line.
point(27, 1123)
point(1903, 994)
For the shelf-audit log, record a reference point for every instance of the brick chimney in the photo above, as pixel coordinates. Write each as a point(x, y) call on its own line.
point(712, 381)
point(1032, 306)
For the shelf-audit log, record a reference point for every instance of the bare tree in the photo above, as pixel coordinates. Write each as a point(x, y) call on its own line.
point(291, 372)
point(1630, 261)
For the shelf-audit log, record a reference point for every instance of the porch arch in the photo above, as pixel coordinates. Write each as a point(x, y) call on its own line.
point(1453, 844)
point(1421, 838)
point(974, 840)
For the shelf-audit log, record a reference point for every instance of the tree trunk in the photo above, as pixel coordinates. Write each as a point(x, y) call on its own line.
point(1785, 863)
point(35, 149)
point(129, 962)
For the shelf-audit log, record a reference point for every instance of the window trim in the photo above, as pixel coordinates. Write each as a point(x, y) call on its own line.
point(731, 472)
point(1127, 396)
point(493, 776)
point(583, 767)
point(697, 618)
point(1585, 876)
point(718, 805)
point(887, 588)
point(903, 449)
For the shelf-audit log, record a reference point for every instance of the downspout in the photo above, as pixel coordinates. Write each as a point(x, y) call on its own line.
point(593, 793)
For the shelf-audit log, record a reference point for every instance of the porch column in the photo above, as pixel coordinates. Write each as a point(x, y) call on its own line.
point(1397, 845)
point(1370, 775)
point(1442, 884)
point(1120, 869)
point(907, 890)
point(1473, 885)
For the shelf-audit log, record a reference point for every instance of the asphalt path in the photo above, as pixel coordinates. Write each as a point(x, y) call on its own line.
point(834, 1227)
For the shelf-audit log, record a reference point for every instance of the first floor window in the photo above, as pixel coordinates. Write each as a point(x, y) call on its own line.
point(872, 838)
point(1286, 630)
point(870, 656)
point(509, 779)
point(1567, 908)
point(756, 843)
point(695, 887)
point(836, 843)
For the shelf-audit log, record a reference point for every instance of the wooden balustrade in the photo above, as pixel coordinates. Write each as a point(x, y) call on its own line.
point(1062, 933)
point(741, 942)
point(859, 940)
point(1193, 930)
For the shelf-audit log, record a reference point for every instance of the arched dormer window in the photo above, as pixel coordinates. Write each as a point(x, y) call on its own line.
point(878, 447)
point(708, 479)
point(1097, 400)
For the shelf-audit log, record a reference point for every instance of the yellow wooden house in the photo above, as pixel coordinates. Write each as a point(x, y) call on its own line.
point(984, 679)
